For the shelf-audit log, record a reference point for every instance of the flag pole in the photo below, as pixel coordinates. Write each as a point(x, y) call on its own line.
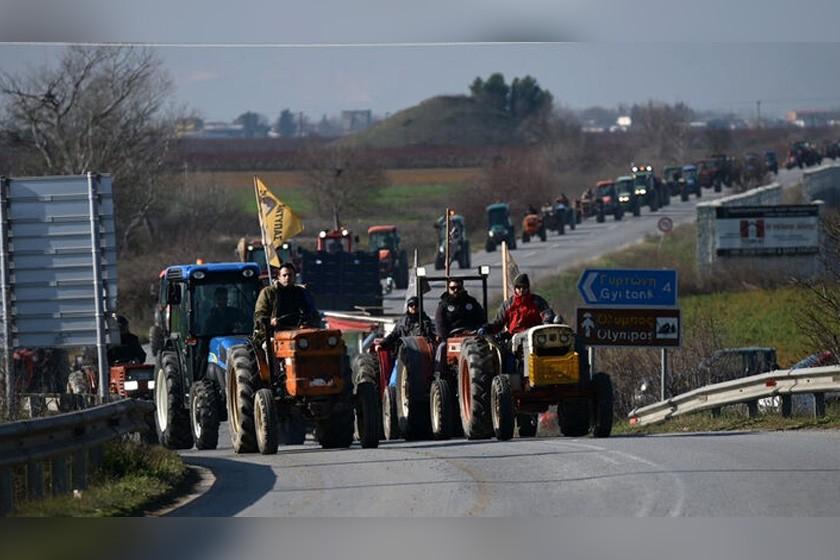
point(262, 231)
point(505, 287)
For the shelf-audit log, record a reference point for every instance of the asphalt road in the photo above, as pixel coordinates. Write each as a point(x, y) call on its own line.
point(588, 241)
point(721, 474)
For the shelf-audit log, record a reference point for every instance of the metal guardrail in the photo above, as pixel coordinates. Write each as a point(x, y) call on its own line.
point(67, 447)
point(779, 383)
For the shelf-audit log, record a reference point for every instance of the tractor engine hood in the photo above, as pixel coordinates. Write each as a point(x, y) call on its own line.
point(221, 346)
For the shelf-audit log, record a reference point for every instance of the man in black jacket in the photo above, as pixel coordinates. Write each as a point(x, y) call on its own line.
point(283, 305)
point(129, 348)
point(457, 310)
point(411, 324)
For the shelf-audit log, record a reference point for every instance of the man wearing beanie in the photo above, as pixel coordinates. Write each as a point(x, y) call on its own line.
point(411, 324)
point(522, 310)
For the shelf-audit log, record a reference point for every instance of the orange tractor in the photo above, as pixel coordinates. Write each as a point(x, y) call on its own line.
point(533, 226)
point(303, 376)
point(393, 261)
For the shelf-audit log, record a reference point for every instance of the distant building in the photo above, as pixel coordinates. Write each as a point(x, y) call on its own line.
point(355, 121)
point(218, 130)
point(810, 118)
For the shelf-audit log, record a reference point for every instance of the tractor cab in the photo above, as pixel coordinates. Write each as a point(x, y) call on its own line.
point(393, 262)
point(206, 310)
point(339, 240)
point(254, 252)
point(646, 186)
point(500, 226)
point(459, 244)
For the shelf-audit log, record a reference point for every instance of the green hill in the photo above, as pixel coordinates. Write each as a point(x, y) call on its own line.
point(443, 120)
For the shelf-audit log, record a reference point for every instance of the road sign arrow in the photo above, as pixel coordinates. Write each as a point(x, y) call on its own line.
point(586, 288)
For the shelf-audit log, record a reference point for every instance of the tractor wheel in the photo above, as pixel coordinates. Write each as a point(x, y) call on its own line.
point(412, 394)
point(489, 246)
point(336, 431)
point(439, 264)
point(242, 384)
point(561, 225)
point(526, 425)
point(637, 210)
point(292, 430)
point(684, 196)
point(155, 339)
point(501, 407)
point(266, 426)
point(476, 368)
point(172, 420)
point(600, 216)
point(619, 214)
point(543, 235)
point(441, 409)
point(602, 406)
point(525, 237)
point(390, 420)
point(465, 256)
point(699, 193)
point(573, 221)
point(512, 244)
point(573, 417)
point(718, 186)
point(205, 410)
point(367, 415)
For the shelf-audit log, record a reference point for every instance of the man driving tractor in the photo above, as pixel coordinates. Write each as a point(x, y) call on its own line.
point(283, 305)
point(411, 324)
point(522, 310)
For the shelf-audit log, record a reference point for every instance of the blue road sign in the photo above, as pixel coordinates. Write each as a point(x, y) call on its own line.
point(631, 287)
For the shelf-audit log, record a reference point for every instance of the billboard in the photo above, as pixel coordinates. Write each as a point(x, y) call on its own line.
point(767, 230)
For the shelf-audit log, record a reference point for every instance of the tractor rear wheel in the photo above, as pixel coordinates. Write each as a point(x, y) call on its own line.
point(367, 415)
point(684, 196)
point(573, 417)
point(402, 272)
point(441, 409)
point(390, 420)
point(602, 405)
point(501, 407)
point(543, 235)
point(476, 368)
point(525, 237)
point(412, 394)
point(242, 384)
point(266, 426)
point(336, 431)
point(205, 412)
point(489, 246)
point(172, 420)
point(526, 425)
point(637, 209)
point(155, 339)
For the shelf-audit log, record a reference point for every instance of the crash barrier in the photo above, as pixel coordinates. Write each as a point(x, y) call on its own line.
point(57, 454)
point(823, 183)
point(779, 383)
point(764, 257)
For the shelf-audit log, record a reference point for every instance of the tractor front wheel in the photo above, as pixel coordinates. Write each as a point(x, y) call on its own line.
point(573, 417)
point(390, 420)
point(476, 368)
point(602, 406)
point(440, 402)
point(265, 422)
point(336, 431)
point(526, 425)
point(242, 384)
point(501, 407)
point(367, 415)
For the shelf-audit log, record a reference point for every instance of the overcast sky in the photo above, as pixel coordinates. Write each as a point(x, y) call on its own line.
point(712, 54)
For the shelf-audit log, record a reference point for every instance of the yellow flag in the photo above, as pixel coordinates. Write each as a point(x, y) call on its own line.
point(277, 220)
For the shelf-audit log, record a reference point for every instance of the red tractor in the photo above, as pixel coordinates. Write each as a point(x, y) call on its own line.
point(393, 261)
point(533, 226)
point(443, 400)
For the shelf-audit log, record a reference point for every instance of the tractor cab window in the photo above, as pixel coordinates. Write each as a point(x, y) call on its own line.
point(605, 190)
point(624, 187)
point(383, 240)
point(498, 216)
point(224, 308)
point(257, 255)
point(642, 180)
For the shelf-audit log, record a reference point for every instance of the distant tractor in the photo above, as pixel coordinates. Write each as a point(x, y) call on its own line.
point(500, 227)
point(459, 244)
point(339, 277)
point(649, 188)
point(207, 310)
point(689, 183)
point(533, 226)
point(253, 251)
point(606, 202)
point(393, 261)
point(630, 195)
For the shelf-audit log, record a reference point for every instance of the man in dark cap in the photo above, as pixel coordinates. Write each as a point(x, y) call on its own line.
point(283, 305)
point(411, 324)
point(129, 348)
point(522, 310)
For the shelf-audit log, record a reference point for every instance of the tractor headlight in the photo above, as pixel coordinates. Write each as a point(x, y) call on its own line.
point(332, 341)
point(302, 343)
point(322, 234)
point(641, 191)
point(131, 385)
point(566, 338)
point(491, 233)
point(150, 384)
point(541, 339)
point(624, 199)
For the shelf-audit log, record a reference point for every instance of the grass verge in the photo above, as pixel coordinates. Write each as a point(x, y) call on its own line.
point(134, 477)
point(734, 418)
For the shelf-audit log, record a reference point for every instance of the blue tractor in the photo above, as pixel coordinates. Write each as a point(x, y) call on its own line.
point(204, 312)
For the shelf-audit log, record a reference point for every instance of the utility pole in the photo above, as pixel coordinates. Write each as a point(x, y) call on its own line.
point(758, 112)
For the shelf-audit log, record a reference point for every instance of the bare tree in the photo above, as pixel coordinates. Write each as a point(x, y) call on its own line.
point(99, 109)
point(664, 125)
point(821, 319)
point(344, 179)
